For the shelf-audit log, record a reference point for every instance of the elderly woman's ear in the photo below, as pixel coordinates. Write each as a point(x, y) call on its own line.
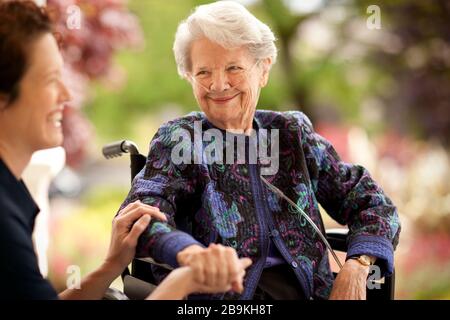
point(265, 67)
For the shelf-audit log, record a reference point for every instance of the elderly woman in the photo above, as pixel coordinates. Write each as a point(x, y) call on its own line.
point(226, 54)
point(32, 98)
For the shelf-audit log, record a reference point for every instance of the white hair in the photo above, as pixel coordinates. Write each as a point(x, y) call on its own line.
point(228, 24)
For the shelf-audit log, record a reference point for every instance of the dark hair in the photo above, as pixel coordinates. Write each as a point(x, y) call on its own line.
point(21, 22)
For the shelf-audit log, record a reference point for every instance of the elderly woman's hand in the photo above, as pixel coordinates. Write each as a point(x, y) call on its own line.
point(215, 266)
point(181, 282)
point(127, 227)
point(350, 283)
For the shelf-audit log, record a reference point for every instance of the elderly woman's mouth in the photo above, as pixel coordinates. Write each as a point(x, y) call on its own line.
point(223, 100)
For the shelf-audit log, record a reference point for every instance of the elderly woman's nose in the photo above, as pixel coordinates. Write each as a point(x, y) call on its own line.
point(220, 82)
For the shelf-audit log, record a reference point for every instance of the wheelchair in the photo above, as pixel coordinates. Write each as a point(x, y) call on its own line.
point(139, 281)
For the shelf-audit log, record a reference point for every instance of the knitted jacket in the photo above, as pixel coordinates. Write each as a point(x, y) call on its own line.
point(228, 203)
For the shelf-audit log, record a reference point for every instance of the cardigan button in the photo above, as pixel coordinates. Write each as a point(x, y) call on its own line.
point(294, 264)
point(274, 233)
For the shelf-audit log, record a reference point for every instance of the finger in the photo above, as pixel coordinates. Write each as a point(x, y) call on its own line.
point(233, 265)
point(202, 288)
point(241, 282)
point(137, 229)
point(238, 285)
point(223, 262)
point(222, 276)
point(128, 207)
point(137, 204)
point(135, 213)
point(158, 213)
point(199, 273)
point(211, 268)
point(223, 271)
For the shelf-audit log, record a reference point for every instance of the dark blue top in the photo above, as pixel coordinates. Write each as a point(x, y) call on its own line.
point(19, 270)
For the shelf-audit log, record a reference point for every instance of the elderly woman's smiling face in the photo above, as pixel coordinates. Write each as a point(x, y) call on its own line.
point(226, 83)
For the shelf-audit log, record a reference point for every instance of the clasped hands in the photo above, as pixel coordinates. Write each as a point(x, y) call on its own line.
point(214, 269)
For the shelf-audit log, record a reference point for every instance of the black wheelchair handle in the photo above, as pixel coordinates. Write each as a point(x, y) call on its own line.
point(117, 148)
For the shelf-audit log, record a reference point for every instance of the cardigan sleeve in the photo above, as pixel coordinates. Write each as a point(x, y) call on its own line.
point(351, 197)
point(165, 185)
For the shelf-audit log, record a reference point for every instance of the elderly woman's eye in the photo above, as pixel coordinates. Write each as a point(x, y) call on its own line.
point(234, 68)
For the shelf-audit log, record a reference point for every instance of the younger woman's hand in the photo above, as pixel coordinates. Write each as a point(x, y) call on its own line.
point(128, 225)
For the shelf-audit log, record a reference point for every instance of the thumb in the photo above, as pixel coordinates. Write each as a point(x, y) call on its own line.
point(245, 262)
point(237, 285)
point(139, 226)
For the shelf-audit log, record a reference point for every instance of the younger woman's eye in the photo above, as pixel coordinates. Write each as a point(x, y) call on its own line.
point(54, 78)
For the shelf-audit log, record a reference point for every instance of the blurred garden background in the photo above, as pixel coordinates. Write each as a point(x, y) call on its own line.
point(380, 95)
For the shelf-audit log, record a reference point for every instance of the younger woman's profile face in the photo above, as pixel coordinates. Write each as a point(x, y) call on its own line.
point(35, 116)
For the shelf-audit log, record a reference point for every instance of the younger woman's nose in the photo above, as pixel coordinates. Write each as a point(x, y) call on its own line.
point(64, 95)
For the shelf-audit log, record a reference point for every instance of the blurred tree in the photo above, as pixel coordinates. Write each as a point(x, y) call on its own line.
point(410, 57)
point(285, 25)
point(330, 65)
point(91, 32)
point(419, 65)
point(317, 71)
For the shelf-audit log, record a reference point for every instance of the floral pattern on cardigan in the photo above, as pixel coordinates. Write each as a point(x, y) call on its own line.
point(227, 204)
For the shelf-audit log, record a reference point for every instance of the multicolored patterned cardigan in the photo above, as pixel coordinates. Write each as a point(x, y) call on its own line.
point(229, 204)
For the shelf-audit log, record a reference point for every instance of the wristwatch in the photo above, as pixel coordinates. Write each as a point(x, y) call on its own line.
point(365, 260)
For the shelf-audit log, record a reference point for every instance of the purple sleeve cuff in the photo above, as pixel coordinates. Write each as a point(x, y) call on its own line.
point(172, 243)
point(375, 246)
